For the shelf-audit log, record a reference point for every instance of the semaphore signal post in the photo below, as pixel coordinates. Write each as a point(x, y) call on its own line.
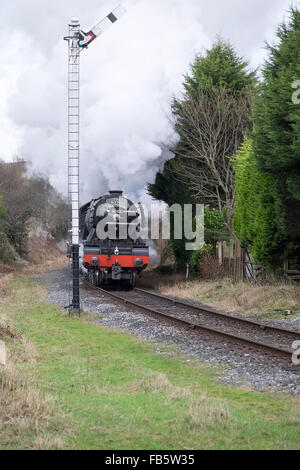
point(78, 40)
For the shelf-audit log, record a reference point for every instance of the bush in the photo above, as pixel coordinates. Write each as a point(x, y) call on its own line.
point(215, 225)
point(205, 263)
point(257, 217)
point(7, 252)
point(195, 261)
point(28, 198)
point(210, 267)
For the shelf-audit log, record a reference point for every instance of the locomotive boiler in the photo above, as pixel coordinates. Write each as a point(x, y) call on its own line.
point(111, 245)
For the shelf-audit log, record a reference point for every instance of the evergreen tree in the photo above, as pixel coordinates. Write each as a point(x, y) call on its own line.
point(219, 67)
point(277, 127)
point(219, 70)
point(168, 189)
point(256, 211)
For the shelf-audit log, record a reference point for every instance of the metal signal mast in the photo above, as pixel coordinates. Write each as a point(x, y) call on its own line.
point(79, 40)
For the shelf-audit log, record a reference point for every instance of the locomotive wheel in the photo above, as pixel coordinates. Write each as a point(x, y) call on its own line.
point(132, 281)
point(97, 277)
point(92, 278)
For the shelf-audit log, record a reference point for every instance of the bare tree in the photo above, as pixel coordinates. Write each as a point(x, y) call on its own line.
point(212, 127)
point(28, 198)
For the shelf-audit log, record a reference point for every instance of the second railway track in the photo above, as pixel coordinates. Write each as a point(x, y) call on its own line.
point(248, 333)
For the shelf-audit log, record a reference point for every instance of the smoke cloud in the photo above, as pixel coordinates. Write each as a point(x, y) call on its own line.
point(129, 76)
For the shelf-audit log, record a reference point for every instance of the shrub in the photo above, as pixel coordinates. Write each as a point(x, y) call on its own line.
point(7, 252)
point(257, 217)
point(206, 263)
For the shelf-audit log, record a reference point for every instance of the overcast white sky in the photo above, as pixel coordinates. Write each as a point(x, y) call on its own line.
point(128, 78)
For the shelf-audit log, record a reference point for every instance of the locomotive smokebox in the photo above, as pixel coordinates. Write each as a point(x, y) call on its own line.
point(114, 256)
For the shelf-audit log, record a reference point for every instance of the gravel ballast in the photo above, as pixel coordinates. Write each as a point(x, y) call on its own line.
point(238, 367)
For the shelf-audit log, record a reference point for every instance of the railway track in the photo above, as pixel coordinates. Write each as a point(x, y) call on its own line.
point(252, 335)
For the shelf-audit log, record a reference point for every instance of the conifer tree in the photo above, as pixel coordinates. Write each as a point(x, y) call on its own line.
point(277, 127)
point(218, 74)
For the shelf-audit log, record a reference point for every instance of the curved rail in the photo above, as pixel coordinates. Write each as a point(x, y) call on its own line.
point(246, 341)
point(223, 315)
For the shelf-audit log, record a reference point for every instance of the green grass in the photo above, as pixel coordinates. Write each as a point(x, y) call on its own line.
point(112, 391)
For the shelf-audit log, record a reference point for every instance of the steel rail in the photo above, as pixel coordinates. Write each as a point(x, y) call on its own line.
point(206, 309)
point(196, 326)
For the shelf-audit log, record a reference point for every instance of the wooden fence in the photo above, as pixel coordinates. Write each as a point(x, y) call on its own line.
point(292, 274)
point(232, 258)
point(238, 264)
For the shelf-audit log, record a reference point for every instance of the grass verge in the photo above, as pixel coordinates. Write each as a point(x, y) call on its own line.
point(266, 301)
point(72, 384)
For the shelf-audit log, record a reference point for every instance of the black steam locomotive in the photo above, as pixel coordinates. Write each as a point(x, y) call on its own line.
point(110, 252)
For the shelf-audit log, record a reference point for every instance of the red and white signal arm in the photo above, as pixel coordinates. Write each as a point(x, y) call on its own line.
point(86, 38)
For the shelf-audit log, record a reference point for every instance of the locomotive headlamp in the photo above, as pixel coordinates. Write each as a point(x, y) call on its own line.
point(139, 262)
point(95, 261)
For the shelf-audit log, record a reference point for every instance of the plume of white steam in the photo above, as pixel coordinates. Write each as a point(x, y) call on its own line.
point(128, 78)
point(155, 257)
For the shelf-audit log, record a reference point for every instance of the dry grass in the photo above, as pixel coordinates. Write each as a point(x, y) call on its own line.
point(24, 410)
point(154, 383)
point(5, 330)
point(50, 260)
point(49, 443)
point(241, 297)
point(205, 413)
point(201, 412)
point(155, 281)
point(42, 255)
point(5, 287)
point(41, 250)
point(6, 269)
point(26, 413)
point(158, 383)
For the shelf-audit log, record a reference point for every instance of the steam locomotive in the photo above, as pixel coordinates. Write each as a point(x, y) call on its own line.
point(111, 246)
